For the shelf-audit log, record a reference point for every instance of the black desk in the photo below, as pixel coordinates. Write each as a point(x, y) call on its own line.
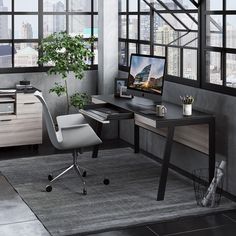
point(173, 118)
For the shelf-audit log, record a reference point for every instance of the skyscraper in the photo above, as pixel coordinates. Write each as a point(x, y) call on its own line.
point(58, 21)
point(26, 31)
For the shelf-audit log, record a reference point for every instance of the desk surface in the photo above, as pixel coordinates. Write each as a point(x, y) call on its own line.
point(174, 112)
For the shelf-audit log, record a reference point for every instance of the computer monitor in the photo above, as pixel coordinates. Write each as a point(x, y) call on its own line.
point(146, 77)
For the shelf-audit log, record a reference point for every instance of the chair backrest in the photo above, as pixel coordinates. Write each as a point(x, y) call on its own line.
point(48, 119)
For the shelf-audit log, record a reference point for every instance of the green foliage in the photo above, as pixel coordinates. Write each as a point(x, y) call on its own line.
point(58, 89)
point(79, 100)
point(187, 99)
point(67, 54)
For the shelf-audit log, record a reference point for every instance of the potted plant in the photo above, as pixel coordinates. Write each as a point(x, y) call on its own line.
point(66, 54)
point(187, 102)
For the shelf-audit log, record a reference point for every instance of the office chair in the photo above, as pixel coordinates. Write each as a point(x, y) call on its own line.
point(73, 134)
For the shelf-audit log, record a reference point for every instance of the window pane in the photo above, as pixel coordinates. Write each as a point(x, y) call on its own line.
point(132, 49)
point(213, 68)
point(190, 64)
point(187, 21)
point(145, 49)
point(53, 23)
point(79, 5)
point(174, 61)
point(122, 26)
point(133, 27)
point(230, 31)
point(95, 5)
point(26, 5)
point(163, 33)
point(145, 27)
point(144, 7)
point(5, 5)
point(133, 5)
point(230, 5)
point(5, 55)
point(95, 26)
point(159, 51)
point(54, 5)
point(170, 4)
point(154, 3)
point(80, 24)
point(173, 21)
point(231, 70)
point(214, 27)
point(5, 27)
point(26, 54)
point(122, 5)
point(212, 5)
point(187, 4)
point(26, 26)
point(122, 54)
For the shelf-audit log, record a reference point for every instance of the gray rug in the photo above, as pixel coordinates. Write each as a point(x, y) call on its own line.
point(130, 199)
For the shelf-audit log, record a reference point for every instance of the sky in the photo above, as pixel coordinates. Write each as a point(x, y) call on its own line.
point(138, 64)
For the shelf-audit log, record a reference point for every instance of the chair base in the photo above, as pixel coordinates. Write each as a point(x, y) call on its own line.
point(77, 169)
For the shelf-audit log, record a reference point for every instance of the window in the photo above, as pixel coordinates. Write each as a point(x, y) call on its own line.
point(219, 48)
point(164, 28)
point(24, 23)
point(201, 55)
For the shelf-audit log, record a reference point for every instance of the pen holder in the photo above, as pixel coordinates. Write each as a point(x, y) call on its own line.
point(187, 109)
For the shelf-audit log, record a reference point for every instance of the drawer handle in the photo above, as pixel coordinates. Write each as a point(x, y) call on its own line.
point(29, 103)
point(6, 120)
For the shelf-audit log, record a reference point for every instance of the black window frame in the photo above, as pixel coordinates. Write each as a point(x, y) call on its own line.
point(40, 13)
point(223, 50)
point(201, 81)
point(152, 44)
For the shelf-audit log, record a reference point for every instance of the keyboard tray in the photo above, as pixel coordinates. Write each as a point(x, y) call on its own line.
point(107, 112)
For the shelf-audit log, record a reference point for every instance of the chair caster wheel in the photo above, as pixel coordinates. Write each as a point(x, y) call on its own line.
point(84, 173)
point(48, 188)
point(84, 191)
point(106, 181)
point(50, 177)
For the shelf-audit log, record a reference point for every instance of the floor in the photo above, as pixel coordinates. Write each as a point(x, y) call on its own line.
point(17, 219)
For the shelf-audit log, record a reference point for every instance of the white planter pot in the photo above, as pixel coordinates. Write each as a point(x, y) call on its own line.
point(187, 109)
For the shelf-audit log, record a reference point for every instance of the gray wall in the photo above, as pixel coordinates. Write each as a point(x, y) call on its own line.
point(224, 108)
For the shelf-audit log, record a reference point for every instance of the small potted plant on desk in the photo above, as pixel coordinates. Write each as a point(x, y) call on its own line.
point(187, 102)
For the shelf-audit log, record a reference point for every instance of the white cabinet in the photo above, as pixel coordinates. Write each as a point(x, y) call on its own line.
point(25, 126)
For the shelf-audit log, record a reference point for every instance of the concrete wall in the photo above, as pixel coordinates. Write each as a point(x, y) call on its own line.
point(224, 108)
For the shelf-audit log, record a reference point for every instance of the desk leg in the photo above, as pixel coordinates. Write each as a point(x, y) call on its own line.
point(98, 132)
point(136, 138)
point(211, 149)
point(165, 164)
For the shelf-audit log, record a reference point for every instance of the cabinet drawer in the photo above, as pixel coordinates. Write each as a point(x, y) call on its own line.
point(29, 108)
point(20, 132)
point(19, 124)
point(26, 98)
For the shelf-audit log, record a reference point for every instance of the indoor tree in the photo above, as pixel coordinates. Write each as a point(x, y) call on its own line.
point(66, 54)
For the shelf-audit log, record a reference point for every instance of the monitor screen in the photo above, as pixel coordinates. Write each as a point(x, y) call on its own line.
point(146, 73)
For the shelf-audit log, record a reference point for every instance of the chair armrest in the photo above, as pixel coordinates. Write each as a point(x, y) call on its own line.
point(73, 127)
point(69, 120)
point(77, 136)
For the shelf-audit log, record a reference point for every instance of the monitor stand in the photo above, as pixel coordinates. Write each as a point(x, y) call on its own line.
point(144, 105)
